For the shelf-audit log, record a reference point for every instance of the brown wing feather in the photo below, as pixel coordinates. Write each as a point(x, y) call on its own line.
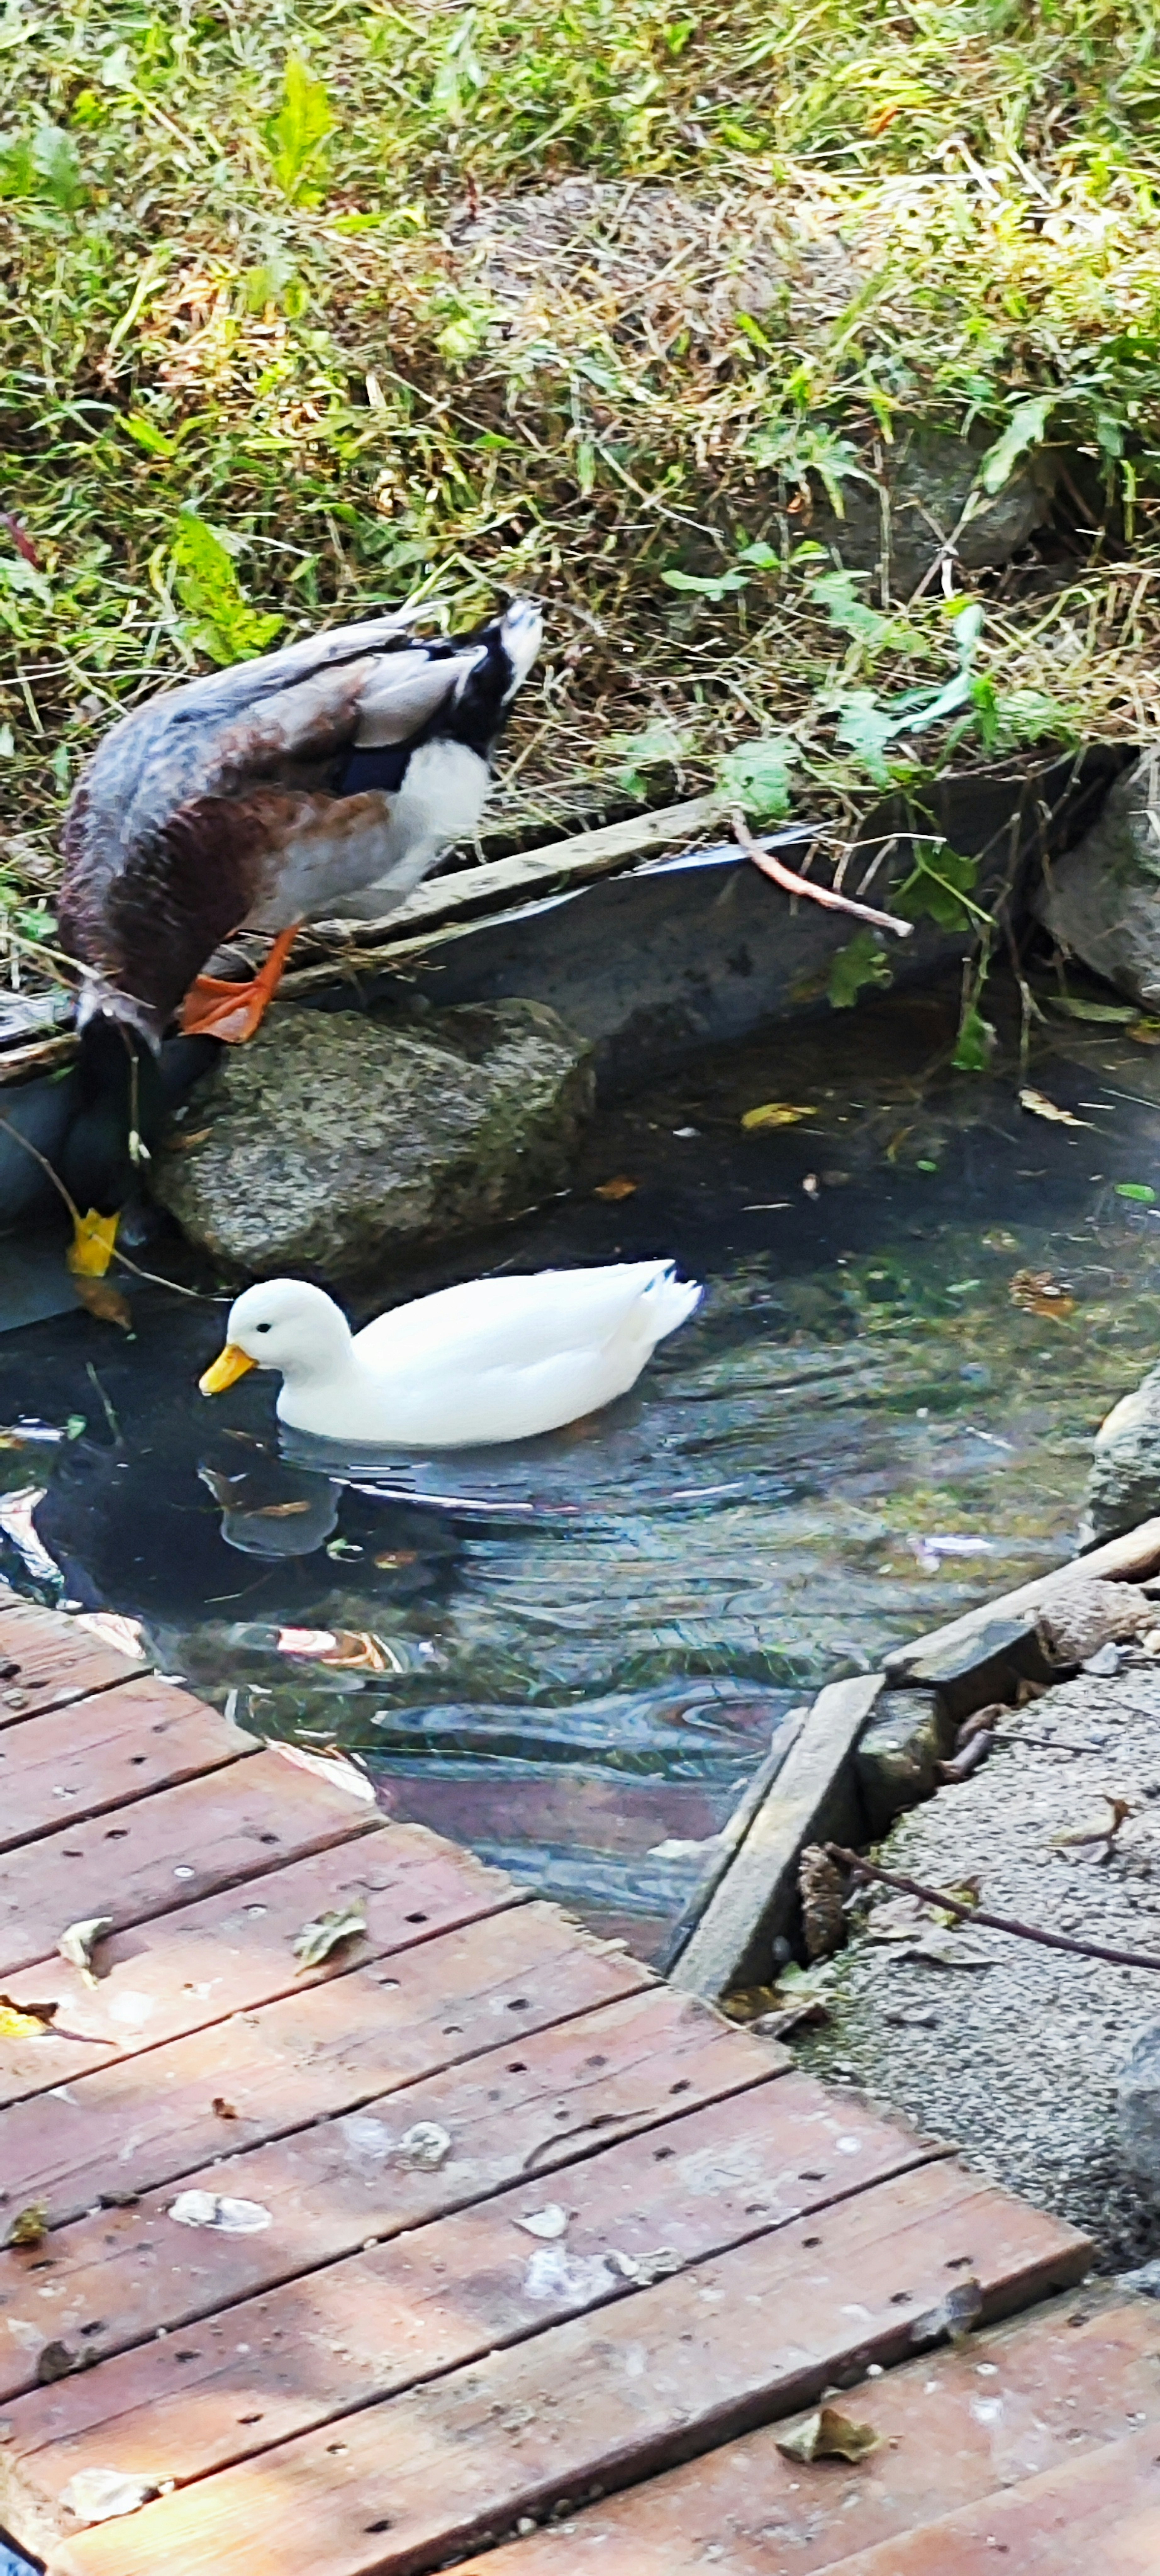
point(180, 890)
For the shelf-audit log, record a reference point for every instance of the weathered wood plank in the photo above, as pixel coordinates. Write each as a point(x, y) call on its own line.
point(443, 2295)
point(48, 1659)
point(180, 1972)
point(396, 2489)
point(1028, 2398)
point(802, 1805)
point(1100, 2513)
point(151, 2119)
point(176, 1845)
point(947, 1653)
point(628, 2067)
point(105, 1752)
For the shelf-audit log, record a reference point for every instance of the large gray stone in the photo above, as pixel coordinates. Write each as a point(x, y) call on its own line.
point(335, 1140)
point(1102, 900)
point(1124, 1484)
point(928, 478)
point(1138, 2099)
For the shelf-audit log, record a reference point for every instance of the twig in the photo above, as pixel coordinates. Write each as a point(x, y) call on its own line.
point(154, 1277)
point(783, 876)
point(859, 1868)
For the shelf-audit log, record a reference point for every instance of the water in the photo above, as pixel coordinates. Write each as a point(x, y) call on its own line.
point(574, 1656)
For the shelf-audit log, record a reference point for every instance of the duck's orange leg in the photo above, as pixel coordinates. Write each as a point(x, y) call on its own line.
point(232, 1012)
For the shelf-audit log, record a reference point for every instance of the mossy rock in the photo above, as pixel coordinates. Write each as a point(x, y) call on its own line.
point(1101, 901)
point(333, 1140)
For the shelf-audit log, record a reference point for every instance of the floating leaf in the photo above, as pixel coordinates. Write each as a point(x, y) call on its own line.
point(830, 2436)
point(316, 1940)
point(25, 2021)
point(213, 2209)
point(1040, 1106)
point(1037, 1292)
point(620, 1187)
point(1137, 1191)
point(862, 961)
point(30, 2225)
point(103, 2495)
point(78, 1942)
point(775, 1113)
point(104, 1301)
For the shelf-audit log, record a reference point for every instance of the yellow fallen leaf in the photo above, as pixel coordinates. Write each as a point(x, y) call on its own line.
point(104, 1301)
point(829, 2435)
point(78, 1942)
point(1145, 1032)
point(620, 1187)
point(775, 1113)
point(1041, 1107)
point(25, 2021)
point(316, 1940)
point(29, 2226)
point(1036, 1292)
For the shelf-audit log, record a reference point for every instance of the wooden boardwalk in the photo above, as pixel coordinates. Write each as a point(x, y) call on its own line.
point(468, 2235)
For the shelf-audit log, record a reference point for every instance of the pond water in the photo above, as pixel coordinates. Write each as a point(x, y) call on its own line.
point(574, 1657)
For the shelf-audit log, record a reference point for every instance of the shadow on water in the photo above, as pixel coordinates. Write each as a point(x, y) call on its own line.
point(574, 1654)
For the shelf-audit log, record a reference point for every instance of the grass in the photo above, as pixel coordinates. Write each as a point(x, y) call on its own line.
point(261, 368)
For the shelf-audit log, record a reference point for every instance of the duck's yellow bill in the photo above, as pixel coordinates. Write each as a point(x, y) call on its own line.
point(229, 1366)
point(91, 1249)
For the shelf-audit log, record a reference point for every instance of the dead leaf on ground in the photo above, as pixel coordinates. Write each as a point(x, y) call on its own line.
point(1096, 1832)
point(955, 2315)
point(1145, 1032)
point(822, 1890)
point(55, 2361)
point(1041, 1107)
point(30, 2225)
point(619, 1187)
point(102, 2495)
point(78, 1942)
point(25, 2021)
point(104, 1301)
point(222, 2110)
point(1038, 1292)
point(775, 1113)
point(316, 1940)
point(830, 2436)
point(216, 2210)
point(424, 2146)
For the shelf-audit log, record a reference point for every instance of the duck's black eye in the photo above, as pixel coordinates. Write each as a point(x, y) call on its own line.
point(261, 1328)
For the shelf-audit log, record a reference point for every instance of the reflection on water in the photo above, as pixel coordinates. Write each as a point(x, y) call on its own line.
point(574, 1654)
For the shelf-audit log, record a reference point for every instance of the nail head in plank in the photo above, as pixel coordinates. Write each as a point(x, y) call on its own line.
point(150, 2120)
point(228, 1953)
point(631, 2066)
point(167, 1849)
point(803, 1805)
point(443, 2295)
point(396, 2489)
point(955, 2426)
point(57, 1659)
point(109, 1750)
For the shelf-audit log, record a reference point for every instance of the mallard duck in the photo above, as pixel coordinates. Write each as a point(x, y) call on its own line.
point(255, 799)
point(492, 1360)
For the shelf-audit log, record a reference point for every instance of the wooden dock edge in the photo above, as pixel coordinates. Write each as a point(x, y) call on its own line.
point(815, 1794)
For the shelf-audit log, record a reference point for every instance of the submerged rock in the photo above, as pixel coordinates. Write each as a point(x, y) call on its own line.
point(333, 1140)
point(1100, 901)
point(1124, 1484)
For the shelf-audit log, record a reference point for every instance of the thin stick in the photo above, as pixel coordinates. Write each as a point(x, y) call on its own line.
point(783, 876)
point(860, 1868)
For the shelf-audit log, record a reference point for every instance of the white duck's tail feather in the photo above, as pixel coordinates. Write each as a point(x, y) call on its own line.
point(670, 1300)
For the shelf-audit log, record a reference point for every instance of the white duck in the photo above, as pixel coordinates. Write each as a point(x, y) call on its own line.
point(494, 1359)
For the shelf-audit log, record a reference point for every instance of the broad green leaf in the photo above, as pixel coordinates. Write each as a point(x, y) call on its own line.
point(147, 434)
point(225, 626)
point(974, 1047)
point(939, 887)
point(862, 961)
point(17, 169)
point(18, 575)
point(1024, 429)
point(710, 585)
point(295, 137)
point(756, 776)
point(865, 728)
point(54, 159)
point(837, 593)
point(1138, 1191)
point(1074, 1009)
point(659, 746)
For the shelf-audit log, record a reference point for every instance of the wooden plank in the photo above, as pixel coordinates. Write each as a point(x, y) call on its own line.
point(197, 1965)
point(947, 1653)
point(174, 1846)
point(757, 1893)
point(399, 2487)
point(48, 1659)
point(106, 1752)
point(149, 2120)
point(1098, 2514)
point(444, 2295)
point(1036, 2394)
point(628, 2067)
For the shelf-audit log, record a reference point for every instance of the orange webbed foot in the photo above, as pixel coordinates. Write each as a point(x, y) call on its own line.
point(232, 1012)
